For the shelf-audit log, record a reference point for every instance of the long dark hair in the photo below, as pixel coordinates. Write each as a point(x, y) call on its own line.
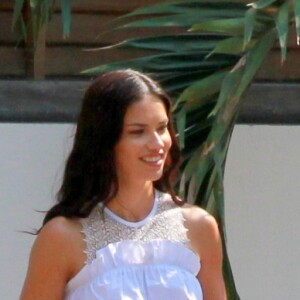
point(90, 172)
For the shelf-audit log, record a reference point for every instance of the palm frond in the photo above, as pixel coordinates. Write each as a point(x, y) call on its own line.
point(32, 15)
point(282, 25)
point(297, 19)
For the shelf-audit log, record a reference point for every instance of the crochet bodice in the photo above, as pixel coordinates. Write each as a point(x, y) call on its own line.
point(145, 260)
point(165, 221)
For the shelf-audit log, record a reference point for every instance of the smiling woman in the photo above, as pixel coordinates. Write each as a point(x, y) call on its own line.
point(145, 142)
point(118, 230)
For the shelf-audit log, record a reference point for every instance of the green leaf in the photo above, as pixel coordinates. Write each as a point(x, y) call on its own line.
point(254, 59)
point(217, 132)
point(228, 89)
point(233, 26)
point(262, 3)
point(172, 43)
point(198, 93)
point(181, 122)
point(228, 276)
point(178, 81)
point(218, 160)
point(249, 25)
point(197, 128)
point(17, 12)
point(200, 173)
point(183, 13)
point(198, 166)
point(282, 25)
point(161, 8)
point(209, 197)
point(218, 8)
point(189, 169)
point(173, 62)
point(182, 20)
point(218, 198)
point(23, 28)
point(213, 176)
point(166, 21)
point(199, 155)
point(214, 191)
point(212, 201)
point(66, 16)
point(297, 19)
point(34, 3)
point(233, 45)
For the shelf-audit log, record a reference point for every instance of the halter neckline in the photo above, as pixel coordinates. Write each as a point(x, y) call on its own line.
point(134, 224)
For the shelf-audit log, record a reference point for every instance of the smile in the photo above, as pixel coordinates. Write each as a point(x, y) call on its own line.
point(154, 159)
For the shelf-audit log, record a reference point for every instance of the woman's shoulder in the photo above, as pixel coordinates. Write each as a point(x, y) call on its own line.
point(55, 257)
point(196, 213)
point(198, 217)
point(63, 233)
point(61, 241)
point(60, 228)
point(202, 226)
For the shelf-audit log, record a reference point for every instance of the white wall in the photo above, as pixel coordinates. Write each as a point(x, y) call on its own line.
point(262, 203)
point(263, 211)
point(31, 161)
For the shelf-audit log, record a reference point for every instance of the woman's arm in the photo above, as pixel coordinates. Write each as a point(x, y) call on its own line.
point(205, 240)
point(50, 265)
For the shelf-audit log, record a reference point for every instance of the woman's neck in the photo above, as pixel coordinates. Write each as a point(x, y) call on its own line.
point(133, 203)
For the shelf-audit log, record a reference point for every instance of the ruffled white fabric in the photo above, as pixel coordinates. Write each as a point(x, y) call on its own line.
point(136, 270)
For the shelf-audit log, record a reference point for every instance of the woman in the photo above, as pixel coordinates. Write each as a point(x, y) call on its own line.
point(118, 231)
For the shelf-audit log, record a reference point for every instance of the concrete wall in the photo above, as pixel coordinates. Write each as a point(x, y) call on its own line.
point(262, 203)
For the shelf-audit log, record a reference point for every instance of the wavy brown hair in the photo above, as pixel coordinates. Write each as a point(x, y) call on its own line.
point(90, 173)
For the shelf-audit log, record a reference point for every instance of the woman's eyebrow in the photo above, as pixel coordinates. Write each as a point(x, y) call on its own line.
point(145, 125)
point(136, 124)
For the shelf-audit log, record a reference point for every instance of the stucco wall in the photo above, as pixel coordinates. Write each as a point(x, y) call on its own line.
point(262, 203)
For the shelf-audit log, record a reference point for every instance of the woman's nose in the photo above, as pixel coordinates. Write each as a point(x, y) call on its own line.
point(155, 141)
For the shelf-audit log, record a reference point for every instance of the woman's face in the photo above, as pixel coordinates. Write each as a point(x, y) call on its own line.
point(145, 141)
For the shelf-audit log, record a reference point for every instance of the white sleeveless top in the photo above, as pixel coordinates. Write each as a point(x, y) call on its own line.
point(146, 260)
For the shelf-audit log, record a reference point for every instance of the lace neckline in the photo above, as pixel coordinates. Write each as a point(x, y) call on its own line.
point(118, 219)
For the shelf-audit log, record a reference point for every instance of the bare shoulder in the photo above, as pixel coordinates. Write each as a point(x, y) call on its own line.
point(199, 218)
point(58, 232)
point(202, 227)
point(61, 242)
point(55, 257)
point(60, 226)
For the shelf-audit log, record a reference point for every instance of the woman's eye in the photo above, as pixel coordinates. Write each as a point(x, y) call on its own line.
point(163, 128)
point(136, 132)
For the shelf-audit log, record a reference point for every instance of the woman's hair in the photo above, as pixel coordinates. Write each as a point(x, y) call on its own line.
point(90, 173)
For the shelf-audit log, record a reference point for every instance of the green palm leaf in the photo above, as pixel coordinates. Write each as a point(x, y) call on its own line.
point(40, 12)
point(203, 7)
point(249, 25)
point(297, 19)
point(66, 16)
point(234, 26)
point(19, 4)
point(282, 24)
point(171, 43)
point(263, 3)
